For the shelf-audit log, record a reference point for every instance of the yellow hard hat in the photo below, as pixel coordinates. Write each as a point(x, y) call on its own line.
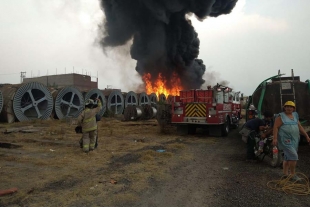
point(290, 103)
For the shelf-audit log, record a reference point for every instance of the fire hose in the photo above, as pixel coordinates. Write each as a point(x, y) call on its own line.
point(289, 186)
point(8, 191)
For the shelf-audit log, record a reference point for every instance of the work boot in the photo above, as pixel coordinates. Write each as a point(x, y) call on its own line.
point(295, 178)
point(284, 177)
point(86, 148)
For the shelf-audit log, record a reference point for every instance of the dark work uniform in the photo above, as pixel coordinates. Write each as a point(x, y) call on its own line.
point(253, 125)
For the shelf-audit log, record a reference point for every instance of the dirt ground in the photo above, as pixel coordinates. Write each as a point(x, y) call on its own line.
point(136, 164)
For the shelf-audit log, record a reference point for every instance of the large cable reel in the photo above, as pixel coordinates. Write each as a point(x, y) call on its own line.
point(69, 102)
point(32, 101)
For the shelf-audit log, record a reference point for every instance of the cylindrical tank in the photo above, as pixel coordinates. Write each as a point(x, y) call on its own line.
point(133, 113)
point(272, 98)
point(149, 112)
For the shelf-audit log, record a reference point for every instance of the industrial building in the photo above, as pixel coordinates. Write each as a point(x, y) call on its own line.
point(82, 82)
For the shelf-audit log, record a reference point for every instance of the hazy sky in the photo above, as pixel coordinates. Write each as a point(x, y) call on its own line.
point(243, 48)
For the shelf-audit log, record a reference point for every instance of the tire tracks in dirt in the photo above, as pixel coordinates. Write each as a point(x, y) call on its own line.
point(195, 182)
point(219, 176)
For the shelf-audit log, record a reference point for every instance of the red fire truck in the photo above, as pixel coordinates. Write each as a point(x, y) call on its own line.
point(218, 108)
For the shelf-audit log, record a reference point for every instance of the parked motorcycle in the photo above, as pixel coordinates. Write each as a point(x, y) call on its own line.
point(264, 148)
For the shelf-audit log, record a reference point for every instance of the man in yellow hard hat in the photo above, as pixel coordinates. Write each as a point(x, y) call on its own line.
point(286, 133)
point(87, 119)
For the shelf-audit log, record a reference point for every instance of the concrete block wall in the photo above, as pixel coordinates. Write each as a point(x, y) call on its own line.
point(83, 82)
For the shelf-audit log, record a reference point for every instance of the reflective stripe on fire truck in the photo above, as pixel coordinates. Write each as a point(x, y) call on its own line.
point(223, 112)
point(195, 110)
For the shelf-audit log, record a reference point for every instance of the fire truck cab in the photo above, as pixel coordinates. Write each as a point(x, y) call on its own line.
point(217, 108)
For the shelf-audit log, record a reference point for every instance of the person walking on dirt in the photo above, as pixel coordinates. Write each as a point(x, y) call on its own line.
point(286, 133)
point(87, 119)
point(255, 126)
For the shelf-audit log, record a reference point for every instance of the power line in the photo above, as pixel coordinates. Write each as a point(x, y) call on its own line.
point(9, 74)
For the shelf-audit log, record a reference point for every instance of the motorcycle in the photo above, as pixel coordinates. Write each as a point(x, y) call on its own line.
point(261, 151)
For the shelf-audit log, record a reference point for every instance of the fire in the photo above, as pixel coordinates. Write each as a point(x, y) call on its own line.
point(160, 85)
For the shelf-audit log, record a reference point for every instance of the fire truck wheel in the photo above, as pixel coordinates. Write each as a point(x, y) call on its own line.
point(225, 127)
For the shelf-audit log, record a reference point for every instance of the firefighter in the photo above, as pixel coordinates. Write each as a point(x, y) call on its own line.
point(87, 120)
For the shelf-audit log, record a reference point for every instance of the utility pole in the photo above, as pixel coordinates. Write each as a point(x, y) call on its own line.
point(22, 76)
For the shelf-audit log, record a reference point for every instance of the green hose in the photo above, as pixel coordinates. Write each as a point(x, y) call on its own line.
point(308, 84)
point(308, 81)
point(262, 84)
point(260, 102)
point(303, 122)
point(276, 76)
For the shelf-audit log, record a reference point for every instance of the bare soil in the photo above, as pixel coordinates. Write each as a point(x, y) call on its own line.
point(136, 164)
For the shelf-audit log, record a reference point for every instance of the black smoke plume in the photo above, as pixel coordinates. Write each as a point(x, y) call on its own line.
point(164, 40)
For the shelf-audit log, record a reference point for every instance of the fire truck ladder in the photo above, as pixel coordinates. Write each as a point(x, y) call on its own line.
point(288, 84)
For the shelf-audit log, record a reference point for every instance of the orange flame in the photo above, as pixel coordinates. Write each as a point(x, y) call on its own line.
point(160, 85)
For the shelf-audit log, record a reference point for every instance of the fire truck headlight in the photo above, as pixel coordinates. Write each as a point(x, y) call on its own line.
point(211, 112)
point(178, 110)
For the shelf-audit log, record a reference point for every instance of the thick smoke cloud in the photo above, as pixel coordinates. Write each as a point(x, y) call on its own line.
point(164, 40)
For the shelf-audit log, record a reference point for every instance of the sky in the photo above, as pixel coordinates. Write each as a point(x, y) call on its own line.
point(243, 48)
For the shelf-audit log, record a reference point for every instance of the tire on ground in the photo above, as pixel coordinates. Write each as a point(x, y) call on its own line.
point(225, 127)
